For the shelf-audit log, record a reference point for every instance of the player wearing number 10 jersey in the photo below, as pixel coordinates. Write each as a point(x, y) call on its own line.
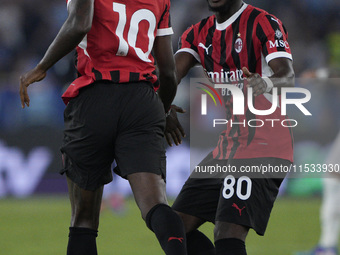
point(114, 113)
point(119, 44)
point(239, 45)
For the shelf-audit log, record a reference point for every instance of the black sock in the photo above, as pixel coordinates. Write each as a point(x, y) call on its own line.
point(168, 228)
point(82, 241)
point(199, 244)
point(230, 246)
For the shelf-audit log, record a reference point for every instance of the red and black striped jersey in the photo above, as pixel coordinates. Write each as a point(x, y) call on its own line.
point(119, 44)
point(250, 38)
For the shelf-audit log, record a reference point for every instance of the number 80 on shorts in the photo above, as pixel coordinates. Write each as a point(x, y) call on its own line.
point(230, 184)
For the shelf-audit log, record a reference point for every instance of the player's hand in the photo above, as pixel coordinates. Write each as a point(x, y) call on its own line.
point(26, 79)
point(255, 81)
point(173, 129)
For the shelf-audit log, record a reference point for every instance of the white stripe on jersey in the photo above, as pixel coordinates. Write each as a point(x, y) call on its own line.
point(191, 51)
point(164, 31)
point(278, 54)
point(83, 46)
point(68, 3)
point(228, 22)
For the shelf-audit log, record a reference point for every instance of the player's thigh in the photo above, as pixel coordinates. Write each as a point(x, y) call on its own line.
point(139, 145)
point(198, 199)
point(248, 201)
point(89, 129)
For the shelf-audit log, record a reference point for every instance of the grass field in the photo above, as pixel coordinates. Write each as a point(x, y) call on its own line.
point(39, 226)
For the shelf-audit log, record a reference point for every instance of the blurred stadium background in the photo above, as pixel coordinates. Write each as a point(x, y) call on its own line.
point(34, 210)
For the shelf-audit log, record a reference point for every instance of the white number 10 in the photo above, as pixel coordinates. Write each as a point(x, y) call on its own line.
point(136, 18)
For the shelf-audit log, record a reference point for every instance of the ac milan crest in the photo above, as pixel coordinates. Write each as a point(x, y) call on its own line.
point(238, 45)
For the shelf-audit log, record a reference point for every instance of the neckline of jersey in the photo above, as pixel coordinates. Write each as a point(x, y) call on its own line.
point(228, 22)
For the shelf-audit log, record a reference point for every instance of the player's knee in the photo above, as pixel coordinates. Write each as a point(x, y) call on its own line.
point(85, 224)
point(147, 205)
point(85, 219)
point(190, 222)
point(218, 233)
point(149, 209)
point(224, 230)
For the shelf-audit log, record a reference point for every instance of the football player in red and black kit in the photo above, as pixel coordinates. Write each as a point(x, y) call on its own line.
point(238, 45)
point(114, 113)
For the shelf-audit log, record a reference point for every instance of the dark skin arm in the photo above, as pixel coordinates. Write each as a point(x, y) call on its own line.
point(76, 26)
point(283, 76)
point(163, 53)
point(184, 62)
point(174, 130)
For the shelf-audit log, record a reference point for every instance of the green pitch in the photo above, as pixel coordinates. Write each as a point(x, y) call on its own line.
point(39, 226)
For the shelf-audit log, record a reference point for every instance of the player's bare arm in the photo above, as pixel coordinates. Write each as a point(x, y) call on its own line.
point(174, 131)
point(283, 77)
point(167, 90)
point(166, 66)
point(184, 62)
point(76, 26)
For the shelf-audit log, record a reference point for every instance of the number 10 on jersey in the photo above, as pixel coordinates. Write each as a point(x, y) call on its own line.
point(133, 27)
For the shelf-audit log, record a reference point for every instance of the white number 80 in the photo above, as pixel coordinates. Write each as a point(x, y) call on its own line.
point(229, 183)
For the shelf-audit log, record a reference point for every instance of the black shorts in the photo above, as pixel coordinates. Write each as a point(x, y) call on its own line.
point(241, 200)
point(107, 122)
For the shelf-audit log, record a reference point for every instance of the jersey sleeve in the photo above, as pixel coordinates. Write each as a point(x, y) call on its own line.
point(188, 42)
point(273, 37)
point(164, 25)
point(68, 3)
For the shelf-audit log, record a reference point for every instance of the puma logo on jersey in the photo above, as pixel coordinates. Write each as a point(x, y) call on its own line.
point(176, 238)
point(205, 48)
point(238, 208)
point(276, 20)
